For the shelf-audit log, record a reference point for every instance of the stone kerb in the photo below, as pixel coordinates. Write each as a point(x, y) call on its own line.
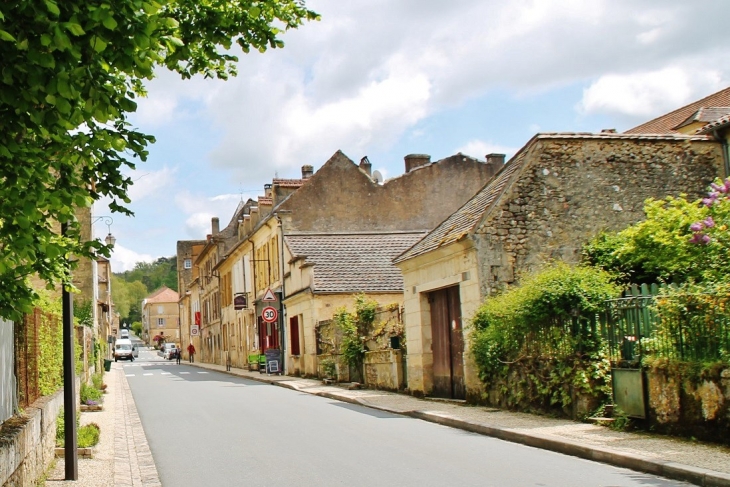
point(28, 448)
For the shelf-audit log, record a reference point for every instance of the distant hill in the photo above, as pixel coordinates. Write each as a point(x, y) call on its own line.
point(129, 288)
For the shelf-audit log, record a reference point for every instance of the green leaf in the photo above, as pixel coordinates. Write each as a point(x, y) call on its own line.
point(52, 8)
point(46, 40)
point(98, 44)
point(5, 36)
point(110, 23)
point(254, 11)
point(74, 28)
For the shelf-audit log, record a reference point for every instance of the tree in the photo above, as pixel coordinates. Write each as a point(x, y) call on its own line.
point(680, 241)
point(70, 76)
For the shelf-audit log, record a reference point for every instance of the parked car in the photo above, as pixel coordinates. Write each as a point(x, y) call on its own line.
point(169, 351)
point(124, 350)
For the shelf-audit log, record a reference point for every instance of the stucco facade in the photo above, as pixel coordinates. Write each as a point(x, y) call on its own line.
point(160, 315)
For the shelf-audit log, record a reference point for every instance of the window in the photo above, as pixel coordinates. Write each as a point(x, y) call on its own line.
point(160, 310)
point(294, 334)
point(160, 322)
point(188, 263)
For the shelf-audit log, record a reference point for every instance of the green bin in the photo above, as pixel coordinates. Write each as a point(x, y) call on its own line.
point(107, 365)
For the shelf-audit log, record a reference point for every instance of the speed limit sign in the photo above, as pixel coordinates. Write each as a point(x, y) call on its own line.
point(269, 314)
point(194, 330)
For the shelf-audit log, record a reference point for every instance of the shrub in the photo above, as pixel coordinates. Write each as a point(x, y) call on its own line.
point(88, 435)
point(90, 393)
point(543, 333)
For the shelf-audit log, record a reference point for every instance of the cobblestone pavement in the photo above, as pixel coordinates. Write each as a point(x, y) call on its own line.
point(696, 462)
point(123, 457)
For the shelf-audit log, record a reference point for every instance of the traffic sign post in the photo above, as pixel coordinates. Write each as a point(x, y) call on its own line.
point(269, 314)
point(269, 296)
point(194, 330)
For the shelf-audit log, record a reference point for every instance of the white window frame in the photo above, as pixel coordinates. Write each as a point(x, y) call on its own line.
point(160, 322)
point(188, 263)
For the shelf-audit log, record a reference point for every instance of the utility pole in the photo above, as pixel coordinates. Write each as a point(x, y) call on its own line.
point(69, 381)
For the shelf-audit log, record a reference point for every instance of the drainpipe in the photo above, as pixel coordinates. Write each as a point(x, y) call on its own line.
point(283, 294)
point(253, 294)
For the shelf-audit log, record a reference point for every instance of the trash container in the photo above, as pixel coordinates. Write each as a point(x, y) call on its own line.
point(107, 365)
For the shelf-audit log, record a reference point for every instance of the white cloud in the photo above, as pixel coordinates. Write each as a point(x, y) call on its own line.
point(199, 210)
point(372, 69)
point(646, 93)
point(150, 183)
point(480, 148)
point(124, 259)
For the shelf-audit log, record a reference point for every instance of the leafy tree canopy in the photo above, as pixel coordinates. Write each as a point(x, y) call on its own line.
point(129, 288)
point(680, 241)
point(71, 73)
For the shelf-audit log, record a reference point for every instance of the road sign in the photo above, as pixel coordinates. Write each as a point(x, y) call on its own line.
point(269, 314)
point(269, 296)
point(194, 330)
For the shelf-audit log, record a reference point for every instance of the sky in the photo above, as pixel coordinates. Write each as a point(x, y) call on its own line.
point(386, 78)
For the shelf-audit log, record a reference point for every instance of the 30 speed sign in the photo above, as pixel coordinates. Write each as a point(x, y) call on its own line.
point(269, 314)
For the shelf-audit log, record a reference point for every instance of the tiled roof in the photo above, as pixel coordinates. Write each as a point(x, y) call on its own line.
point(704, 114)
point(287, 183)
point(163, 295)
point(666, 123)
point(265, 200)
point(350, 263)
point(460, 223)
point(623, 136)
point(714, 125)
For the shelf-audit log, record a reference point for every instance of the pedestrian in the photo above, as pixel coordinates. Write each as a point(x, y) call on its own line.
point(178, 355)
point(191, 352)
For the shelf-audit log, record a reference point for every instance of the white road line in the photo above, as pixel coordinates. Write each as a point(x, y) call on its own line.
point(202, 372)
point(165, 373)
point(129, 375)
point(184, 373)
point(146, 374)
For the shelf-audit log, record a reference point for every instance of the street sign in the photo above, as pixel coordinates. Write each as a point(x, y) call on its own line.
point(194, 330)
point(240, 302)
point(269, 296)
point(269, 314)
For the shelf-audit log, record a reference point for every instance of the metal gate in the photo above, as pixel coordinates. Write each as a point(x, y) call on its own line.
point(447, 343)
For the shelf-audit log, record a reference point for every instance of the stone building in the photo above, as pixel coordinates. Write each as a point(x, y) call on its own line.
point(160, 315)
point(557, 192)
point(340, 198)
point(188, 252)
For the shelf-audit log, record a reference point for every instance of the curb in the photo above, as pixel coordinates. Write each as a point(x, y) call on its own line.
point(662, 468)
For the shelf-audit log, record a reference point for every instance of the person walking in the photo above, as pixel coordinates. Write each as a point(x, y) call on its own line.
point(191, 352)
point(178, 354)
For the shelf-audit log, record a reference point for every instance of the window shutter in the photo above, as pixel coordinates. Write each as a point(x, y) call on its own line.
point(294, 333)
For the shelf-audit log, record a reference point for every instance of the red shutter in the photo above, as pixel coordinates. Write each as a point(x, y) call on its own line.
point(197, 318)
point(294, 330)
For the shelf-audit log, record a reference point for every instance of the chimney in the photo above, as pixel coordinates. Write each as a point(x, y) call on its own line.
point(416, 160)
point(495, 159)
point(608, 131)
point(307, 171)
point(366, 166)
point(215, 223)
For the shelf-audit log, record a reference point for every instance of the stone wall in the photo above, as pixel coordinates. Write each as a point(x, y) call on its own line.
point(384, 370)
point(688, 403)
point(572, 188)
point(340, 197)
point(27, 443)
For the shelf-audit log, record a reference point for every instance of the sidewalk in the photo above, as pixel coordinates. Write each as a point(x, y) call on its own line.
point(699, 463)
point(123, 457)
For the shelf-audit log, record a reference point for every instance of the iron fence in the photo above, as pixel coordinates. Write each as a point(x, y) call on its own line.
point(27, 358)
point(8, 387)
point(686, 327)
point(561, 336)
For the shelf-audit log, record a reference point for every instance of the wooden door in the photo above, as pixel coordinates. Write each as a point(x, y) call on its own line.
point(447, 343)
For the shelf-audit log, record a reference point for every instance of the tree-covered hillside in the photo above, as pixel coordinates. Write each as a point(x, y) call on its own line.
point(129, 288)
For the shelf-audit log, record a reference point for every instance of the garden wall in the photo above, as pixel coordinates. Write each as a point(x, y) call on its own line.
point(27, 442)
point(689, 402)
point(384, 370)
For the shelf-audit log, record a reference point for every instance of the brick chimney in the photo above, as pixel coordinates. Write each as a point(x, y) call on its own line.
point(416, 160)
point(216, 226)
point(496, 159)
point(307, 171)
point(366, 166)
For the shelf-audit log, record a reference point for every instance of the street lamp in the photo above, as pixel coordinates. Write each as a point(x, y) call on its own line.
point(110, 239)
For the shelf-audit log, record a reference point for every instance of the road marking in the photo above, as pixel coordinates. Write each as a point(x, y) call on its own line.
point(129, 375)
point(202, 372)
point(146, 374)
point(184, 373)
point(165, 373)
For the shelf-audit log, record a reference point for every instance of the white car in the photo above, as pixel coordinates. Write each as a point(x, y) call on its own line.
point(169, 350)
point(124, 334)
point(124, 350)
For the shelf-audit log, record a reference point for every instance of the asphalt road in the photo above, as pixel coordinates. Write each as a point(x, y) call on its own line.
point(211, 429)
